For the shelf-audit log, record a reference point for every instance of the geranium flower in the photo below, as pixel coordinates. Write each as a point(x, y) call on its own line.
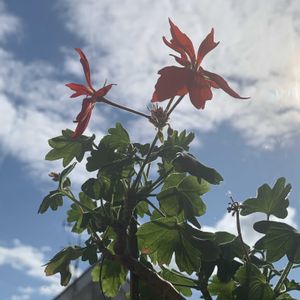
point(191, 78)
point(89, 102)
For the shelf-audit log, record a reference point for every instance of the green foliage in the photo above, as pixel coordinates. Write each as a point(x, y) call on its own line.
point(60, 263)
point(185, 162)
point(126, 188)
point(280, 239)
point(67, 148)
point(271, 201)
point(53, 200)
point(253, 284)
point(112, 275)
point(223, 290)
point(114, 156)
point(77, 215)
point(166, 236)
point(182, 193)
point(182, 283)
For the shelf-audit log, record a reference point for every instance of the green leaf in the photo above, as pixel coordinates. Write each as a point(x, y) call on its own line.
point(185, 162)
point(165, 236)
point(92, 188)
point(178, 280)
point(63, 177)
point(223, 290)
point(227, 269)
point(67, 148)
point(175, 144)
point(113, 275)
point(60, 263)
point(142, 209)
point(75, 214)
point(280, 239)
point(253, 284)
point(115, 155)
point(285, 296)
point(117, 138)
point(271, 201)
point(233, 249)
point(182, 193)
point(53, 200)
point(90, 254)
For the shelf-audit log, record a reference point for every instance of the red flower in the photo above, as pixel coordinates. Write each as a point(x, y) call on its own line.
point(191, 78)
point(89, 102)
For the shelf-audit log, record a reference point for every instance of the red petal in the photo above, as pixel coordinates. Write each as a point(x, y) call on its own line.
point(199, 90)
point(83, 118)
point(86, 67)
point(184, 59)
point(103, 91)
point(79, 89)
point(172, 82)
point(221, 82)
point(183, 41)
point(206, 46)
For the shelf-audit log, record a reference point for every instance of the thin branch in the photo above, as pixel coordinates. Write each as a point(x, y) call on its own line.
point(157, 209)
point(174, 106)
point(282, 278)
point(104, 100)
point(70, 195)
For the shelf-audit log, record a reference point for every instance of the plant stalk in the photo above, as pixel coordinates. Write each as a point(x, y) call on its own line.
point(238, 226)
point(104, 100)
point(282, 278)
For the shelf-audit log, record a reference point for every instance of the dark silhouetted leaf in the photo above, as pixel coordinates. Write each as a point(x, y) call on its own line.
point(60, 263)
point(253, 284)
point(280, 239)
point(185, 162)
point(53, 200)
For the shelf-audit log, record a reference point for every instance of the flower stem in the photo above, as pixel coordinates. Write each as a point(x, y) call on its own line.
point(169, 104)
point(138, 176)
point(176, 103)
point(104, 100)
point(238, 226)
point(283, 276)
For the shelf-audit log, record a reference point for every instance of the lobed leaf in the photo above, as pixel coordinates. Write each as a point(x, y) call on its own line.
point(271, 201)
point(67, 148)
point(185, 162)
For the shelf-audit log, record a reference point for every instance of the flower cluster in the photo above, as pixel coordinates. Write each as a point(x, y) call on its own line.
point(174, 81)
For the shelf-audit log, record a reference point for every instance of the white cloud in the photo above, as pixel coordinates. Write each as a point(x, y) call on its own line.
point(30, 261)
point(9, 23)
point(258, 54)
point(250, 236)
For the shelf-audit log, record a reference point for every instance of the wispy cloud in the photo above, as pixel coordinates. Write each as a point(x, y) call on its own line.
point(29, 261)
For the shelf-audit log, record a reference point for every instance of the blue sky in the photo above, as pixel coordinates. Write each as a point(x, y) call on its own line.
point(248, 142)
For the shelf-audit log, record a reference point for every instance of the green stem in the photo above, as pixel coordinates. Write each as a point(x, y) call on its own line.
point(154, 207)
point(104, 100)
point(238, 226)
point(282, 278)
point(138, 176)
point(95, 146)
point(70, 195)
point(134, 278)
